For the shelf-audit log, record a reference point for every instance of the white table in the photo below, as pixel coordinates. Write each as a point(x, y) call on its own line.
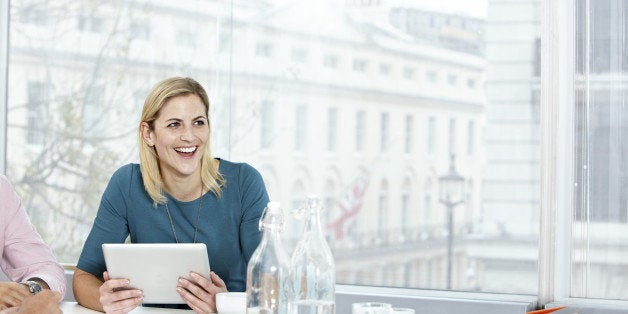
point(74, 308)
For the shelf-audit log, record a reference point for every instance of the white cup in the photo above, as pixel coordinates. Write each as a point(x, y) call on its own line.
point(371, 308)
point(231, 302)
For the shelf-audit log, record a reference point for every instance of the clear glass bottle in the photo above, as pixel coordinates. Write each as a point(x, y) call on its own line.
point(267, 270)
point(312, 268)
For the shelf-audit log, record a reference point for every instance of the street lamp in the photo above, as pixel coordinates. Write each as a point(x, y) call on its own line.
point(451, 194)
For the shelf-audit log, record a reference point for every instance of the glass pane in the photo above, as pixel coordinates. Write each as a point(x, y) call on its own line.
point(410, 83)
point(361, 102)
point(78, 75)
point(601, 152)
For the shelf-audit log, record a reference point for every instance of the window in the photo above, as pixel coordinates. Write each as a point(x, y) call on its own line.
point(452, 136)
point(406, 222)
point(91, 24)
point(330, 61)
point(37, 111)
point(431, 77)
point(409, 132)
point(300, 128)
point(93, 109)
point(384, 69)
point(431, 135)
point(330, 200)
point(359, 65)
point(332, 129)
point(86, 87)
point(224, 43)
point(427, 208)
point(600, 126)
point(408, 73)
point(264, 50)
point(384, 132)
point(471, 83)
point(267, 120)
point(360, 130)
point(470, 138)
point(139, 30)
point(452, 79)
point(299, 55)
point(382, 211)
point(186, 38)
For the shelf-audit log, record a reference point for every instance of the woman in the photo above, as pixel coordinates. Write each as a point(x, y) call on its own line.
point(178, 193)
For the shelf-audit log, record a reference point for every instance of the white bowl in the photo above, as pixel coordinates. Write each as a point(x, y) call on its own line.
point(231, 302)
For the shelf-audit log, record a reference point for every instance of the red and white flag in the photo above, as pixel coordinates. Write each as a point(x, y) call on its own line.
point(350, 204)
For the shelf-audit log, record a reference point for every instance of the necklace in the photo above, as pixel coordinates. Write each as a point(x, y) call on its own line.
point(198, 215)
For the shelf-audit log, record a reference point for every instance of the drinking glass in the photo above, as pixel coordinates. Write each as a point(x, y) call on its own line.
point(371, 308)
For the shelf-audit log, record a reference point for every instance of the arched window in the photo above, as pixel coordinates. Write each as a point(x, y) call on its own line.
point(382, 209)
point(405, 206)
point(427, 203)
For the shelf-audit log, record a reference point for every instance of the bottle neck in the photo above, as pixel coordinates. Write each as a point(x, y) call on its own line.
point(313, 222)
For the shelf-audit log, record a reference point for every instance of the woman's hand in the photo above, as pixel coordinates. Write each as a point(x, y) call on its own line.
point(200, 293)
point(116, 297)
point(12, 294)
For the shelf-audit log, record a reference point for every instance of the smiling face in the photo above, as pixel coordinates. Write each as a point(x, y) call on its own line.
point(179, 135)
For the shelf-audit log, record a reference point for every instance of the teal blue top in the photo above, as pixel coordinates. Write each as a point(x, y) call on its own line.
point(227, 225)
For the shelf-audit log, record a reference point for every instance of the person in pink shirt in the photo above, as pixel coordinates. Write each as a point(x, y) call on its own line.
point(26, 260)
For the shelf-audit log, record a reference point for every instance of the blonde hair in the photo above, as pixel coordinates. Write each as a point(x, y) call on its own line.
point(211, 178)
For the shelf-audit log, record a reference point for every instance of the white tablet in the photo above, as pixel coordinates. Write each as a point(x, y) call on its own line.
point(155, 268)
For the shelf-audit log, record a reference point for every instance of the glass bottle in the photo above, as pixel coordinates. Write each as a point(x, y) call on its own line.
point(312, 267)
point(267, 270)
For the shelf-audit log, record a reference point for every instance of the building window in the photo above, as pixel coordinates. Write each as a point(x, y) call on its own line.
point(91, 24)
point(300, 134)
point(409, 73)
point(267, 121)
point(471, 138)
point(332, 129)
point(471, 83)
point(299, 55)
point(264, 50)
point(360, 65)
point(405, 206)
point(224, 42)
point(360, 130)
point(427, 205)
point(384, 69)
point(382, 210)
point(139, 30)
point(452, 79)
point(330, 61)
point(409, 134)
point(431, 135)
point(452, 136)
point(186, 38)
point(37, 112)
point(431, 77)
point(94, 111)
point(329, 201)
point(384, 132)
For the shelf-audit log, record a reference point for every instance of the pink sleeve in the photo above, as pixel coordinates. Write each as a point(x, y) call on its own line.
point(24, 254)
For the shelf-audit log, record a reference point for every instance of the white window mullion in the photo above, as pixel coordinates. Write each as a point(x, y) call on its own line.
point(4, 59)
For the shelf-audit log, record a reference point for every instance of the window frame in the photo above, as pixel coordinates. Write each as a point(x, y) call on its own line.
point(4, 80)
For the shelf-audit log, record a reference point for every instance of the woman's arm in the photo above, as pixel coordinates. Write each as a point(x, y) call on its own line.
point(85, 287)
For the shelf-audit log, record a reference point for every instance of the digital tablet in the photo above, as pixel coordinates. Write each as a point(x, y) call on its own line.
point(155, 268)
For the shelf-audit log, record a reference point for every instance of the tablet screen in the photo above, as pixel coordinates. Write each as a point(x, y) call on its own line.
point(155, 268)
